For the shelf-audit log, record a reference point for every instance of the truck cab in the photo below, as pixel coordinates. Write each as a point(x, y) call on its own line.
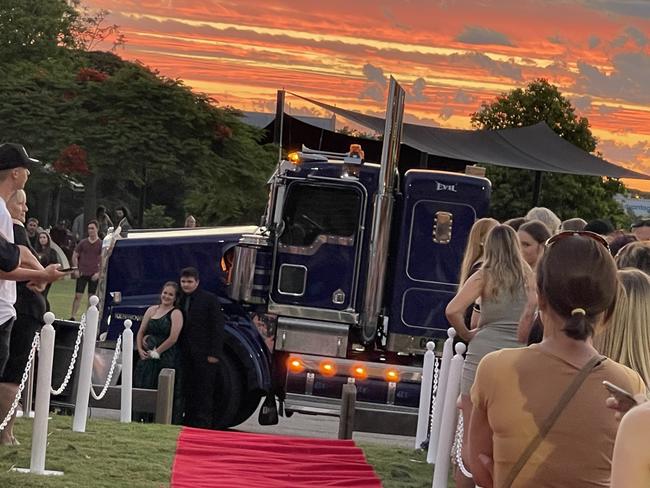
point(345, 281)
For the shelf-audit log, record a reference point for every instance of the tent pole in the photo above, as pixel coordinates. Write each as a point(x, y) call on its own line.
point(537, 188)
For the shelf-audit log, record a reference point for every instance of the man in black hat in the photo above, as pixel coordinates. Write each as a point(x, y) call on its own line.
point(14, 171)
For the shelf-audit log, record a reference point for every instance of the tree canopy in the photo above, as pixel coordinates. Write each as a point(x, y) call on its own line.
point(569, 196)
point(129, 134)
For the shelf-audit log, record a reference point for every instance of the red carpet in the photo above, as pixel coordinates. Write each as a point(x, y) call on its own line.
point(208, 458)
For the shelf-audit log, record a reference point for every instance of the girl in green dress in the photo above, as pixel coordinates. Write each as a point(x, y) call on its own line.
point(157, 346)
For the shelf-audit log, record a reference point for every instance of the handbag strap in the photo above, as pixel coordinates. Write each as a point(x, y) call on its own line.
point(551, 419)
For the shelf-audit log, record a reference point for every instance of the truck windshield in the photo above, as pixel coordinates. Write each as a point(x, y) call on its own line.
point(312, 210)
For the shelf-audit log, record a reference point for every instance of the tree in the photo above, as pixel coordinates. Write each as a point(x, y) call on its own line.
point(125, 132)
point(35, 29)
point(568, 195)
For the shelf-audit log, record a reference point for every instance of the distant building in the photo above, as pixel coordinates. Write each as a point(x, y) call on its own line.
point(639, 207)
point(262, 120)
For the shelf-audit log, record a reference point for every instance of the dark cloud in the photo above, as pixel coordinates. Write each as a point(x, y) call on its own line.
point(417, 91)
point(631, 8)
point(462, 97)
point(373, 92)
point(446, 113)
point(582, 103)
point(480, 35)
point(633, 156)
point(593, 42)
point(556, 39)
point(629, 80)
point(374, 74)
point(395, 23)
point(497, 68)
point(376, 83)
point(639, 38)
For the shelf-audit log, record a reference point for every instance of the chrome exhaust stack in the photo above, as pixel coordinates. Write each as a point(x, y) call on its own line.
point(382, 214)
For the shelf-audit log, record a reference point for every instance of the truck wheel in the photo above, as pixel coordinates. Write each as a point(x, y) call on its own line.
point(228, 393)
point(248, 406)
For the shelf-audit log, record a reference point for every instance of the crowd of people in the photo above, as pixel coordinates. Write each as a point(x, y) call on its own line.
point(30, 263)
point(577, 293)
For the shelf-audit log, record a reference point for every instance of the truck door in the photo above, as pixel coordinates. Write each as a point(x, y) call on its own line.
point(317, 256)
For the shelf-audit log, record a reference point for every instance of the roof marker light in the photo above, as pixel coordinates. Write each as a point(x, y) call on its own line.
point(294, 158)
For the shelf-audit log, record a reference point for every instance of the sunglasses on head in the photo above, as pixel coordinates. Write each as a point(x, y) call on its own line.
point(580, 233)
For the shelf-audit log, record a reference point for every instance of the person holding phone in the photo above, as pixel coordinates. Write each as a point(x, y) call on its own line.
point(631, 462)
point(535, 408)
point(30, 307)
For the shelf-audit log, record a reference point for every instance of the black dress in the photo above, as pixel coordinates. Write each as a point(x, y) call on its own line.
point(30, 307)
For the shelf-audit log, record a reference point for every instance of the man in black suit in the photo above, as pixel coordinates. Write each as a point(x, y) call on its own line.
point(202, 344)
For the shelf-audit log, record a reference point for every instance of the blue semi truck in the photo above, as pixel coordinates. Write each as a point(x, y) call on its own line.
point(345, 281)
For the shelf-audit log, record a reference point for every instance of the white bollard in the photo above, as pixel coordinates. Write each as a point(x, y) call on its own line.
point(425, 395)
point(447, 354)
point(86, 367)
point(127, 372)
point(42, 409)
point(448, 424)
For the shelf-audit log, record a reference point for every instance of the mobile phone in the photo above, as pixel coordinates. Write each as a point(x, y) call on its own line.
point(624, 398)
point(67, 270)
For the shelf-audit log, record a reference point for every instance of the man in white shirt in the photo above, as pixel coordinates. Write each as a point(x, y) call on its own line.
point(14, 171)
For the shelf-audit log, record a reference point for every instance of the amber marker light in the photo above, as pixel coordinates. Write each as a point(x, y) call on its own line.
point(296, 365)
point(359, 372)
point(391, 375)
point(327, 368)
point(294, 158)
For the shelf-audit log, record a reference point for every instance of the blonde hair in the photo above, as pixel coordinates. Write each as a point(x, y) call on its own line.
point(626, 336)
point(547, 216)
point(504, 268)
point(475, 244)
point(19, 197)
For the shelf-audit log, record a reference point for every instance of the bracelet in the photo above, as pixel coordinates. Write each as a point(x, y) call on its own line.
point(476, 308)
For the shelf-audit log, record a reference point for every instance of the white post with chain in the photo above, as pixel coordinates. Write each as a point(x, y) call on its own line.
point(127, 372)
point(448, 423)
point(436, 418)
point(86, 367)
point(42, 410)
point(425, 395)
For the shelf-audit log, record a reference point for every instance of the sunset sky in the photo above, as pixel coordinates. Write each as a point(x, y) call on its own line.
point(450, 55)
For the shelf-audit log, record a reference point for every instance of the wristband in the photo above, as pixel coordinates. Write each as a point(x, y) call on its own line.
point(153, 354)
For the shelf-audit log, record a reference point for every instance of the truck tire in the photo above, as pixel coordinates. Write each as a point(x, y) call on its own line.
point(229, 392)
point(249, 404)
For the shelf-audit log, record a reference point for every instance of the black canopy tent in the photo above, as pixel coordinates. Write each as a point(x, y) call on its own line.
point(536, 148)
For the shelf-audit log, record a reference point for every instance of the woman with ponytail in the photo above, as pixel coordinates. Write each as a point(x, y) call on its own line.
point(538, 414)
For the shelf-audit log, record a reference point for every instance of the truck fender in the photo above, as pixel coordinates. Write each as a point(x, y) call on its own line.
point(245, 343)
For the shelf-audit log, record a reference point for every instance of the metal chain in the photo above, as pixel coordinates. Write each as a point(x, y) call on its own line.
point(434, 391)
point(35, 344)
point(68, 375)
point(458, 446)
point(110, 372)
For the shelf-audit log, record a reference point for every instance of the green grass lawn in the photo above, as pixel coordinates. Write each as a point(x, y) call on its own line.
point(116, 455)
point(60, 298)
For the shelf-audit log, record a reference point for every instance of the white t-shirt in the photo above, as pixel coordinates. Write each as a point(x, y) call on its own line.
point(7, 287)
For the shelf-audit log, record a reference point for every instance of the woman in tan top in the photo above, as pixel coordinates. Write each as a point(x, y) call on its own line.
point(516, 389)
